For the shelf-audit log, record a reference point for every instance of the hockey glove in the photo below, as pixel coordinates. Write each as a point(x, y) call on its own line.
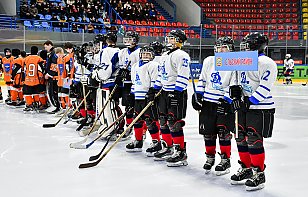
point(121, 75)
point(223, 107)
point(236, 92)
point(150, 96)
point(247, 103)
point(174, 98)
point(197, 104)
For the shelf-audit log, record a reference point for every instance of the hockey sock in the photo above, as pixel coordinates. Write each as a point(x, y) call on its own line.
point(144, 127)
point(68, 101)
point(43, 100)
point(225, 147)
point(20, 95)
point(91, 112)
point(14, 95)
point(36, 98)
point(138, 128)
point(257, 157)
point(154, 131)
point(210, 147)
point(166, 136)
point(83, 112)
point(244, 155)
point(29, 100)
point(178, 138)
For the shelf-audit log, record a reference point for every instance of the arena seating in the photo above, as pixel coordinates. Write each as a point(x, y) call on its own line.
point(279, 17)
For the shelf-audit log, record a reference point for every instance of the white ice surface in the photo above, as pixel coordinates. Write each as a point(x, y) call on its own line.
point(37, 162)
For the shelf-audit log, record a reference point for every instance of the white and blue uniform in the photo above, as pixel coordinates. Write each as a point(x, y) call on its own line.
point(126, 56)
point(107, 66)
point(213, 84)
point(144, 76)
point(258, 84)
point(174, 71)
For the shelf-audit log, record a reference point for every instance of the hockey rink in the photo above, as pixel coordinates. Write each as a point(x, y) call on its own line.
point(36, 161)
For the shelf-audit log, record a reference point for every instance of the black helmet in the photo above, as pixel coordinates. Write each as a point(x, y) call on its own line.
point(158, 47)
point(15, 52)
point(131, 35)
point(147, 49)
point(99, 38)
point(254, 42)
point(178, 34)
point(224, 41)
point(112, 37)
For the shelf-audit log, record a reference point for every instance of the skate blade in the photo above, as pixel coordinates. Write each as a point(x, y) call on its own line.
point(158, 159)
point(149, 154)
point(242, 182)
point(261, 186)
point(134, 150)
point(220, 173)
point(177, 164)
point(207, 171)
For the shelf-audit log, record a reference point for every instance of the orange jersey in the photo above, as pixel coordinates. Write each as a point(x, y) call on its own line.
point(32, 69)
point(69, 60)
point(7, 68)
point(61, 70)
point(18, 71)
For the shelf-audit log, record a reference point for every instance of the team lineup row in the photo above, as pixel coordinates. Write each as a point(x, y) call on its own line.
point(104, 75)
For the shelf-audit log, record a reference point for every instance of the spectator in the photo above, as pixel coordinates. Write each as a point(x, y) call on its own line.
point(74, 28)
point(34, 12)
point(127, 5)
point(90, 28)
point(24, 11)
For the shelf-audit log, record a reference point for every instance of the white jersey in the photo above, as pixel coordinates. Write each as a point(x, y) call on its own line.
point(80, 70)
point(125, 56)
point(288, 63)
point(213, 84)
point(143, 78)
point(258, 84)
point(107, 66)
point(174, 71)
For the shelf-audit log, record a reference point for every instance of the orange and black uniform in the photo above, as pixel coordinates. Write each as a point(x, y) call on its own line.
point(1, 70)
point(7, 66)
point(51, 69)
point(18, 79)
point(33, 65)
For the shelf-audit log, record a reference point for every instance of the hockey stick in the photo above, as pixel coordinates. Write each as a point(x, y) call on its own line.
point(80, 145)
point(55, 124)
point(91, 164)
point(304, 84)
point(84, 121)
point(194, 87)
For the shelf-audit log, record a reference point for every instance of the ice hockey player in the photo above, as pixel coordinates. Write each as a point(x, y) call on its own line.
point(288, 68)
point(7, 64)
point(33, 64)
point(17, 78)
point(173, 79)
point(42, 80)
point(158, 48)
point(1, 71)
point(256, 118)
point(144, 74)
point(105, 73)
point(128, 56)
point(216, 118)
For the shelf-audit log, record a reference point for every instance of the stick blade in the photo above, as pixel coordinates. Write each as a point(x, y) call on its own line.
point(95, 157)
point(304, 84)
point(48, 125)
point(88, 165)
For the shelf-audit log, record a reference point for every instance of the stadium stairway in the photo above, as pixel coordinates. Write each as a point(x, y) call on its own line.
point(162, 11)
point(8, 22)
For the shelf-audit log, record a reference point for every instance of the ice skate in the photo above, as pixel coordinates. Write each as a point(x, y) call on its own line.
point(155, 146)
point(242, 175)
point(257, 181)
point(223, 167)
point(134, 146)
point(210, 161)
point(178, 158)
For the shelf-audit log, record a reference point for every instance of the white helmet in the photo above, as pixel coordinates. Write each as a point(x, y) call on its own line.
point(288, 56)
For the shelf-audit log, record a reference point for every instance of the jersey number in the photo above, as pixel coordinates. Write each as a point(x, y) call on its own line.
point(266, 75)
point(31, 70)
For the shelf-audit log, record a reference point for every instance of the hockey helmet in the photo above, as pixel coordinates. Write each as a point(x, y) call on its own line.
point(15, 52)
point(147, 53)
point(111, 37)
point(175, 39)
point(7, 52)
point(224, 42)
point(158, 47)
point(288, 56)
point(254, 42)
point(131, 38)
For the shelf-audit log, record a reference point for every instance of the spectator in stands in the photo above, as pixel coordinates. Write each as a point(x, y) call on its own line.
point(74, 28)
point(33, 12)
point(54, 18)
point(127, 6)
point(90, 28)
point(119, 6)
point(24, 10)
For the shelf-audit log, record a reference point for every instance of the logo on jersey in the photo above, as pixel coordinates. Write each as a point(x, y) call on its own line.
point(245, 82)
point(7, 67)
point(61, 68)
point(216, 81)
point(126, 63)
point(138, 81)
point(164, 74)
point(185, 62)
point(218, 61)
